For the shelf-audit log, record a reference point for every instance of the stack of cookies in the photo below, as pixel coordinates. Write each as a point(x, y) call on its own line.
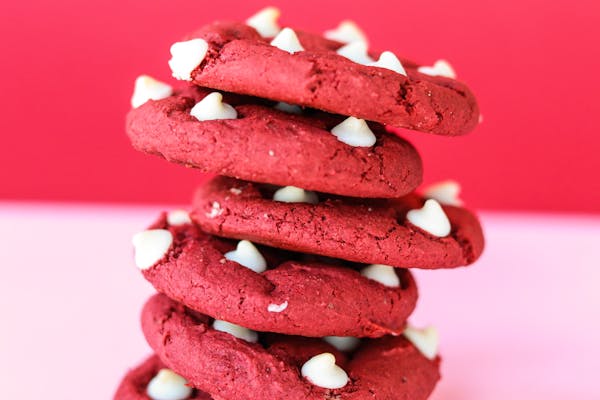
point(288, 278)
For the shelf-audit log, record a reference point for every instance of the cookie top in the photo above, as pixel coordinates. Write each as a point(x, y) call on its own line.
point(370, 231)
point(264, 144)
point(287, 293)
point(277, 366)
point(134, 385)
point(234, 57)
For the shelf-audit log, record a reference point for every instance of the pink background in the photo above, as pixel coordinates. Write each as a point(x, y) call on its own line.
point(68, 67)
point(522, 324)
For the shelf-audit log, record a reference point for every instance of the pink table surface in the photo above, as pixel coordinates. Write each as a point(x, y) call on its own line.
point(524, 323)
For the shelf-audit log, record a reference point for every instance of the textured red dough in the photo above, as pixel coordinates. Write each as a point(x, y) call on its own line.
point(270, 146)
point(369, 231)
point(133, 386)
point(323, 299)
point(241, 61)
point(388, 368)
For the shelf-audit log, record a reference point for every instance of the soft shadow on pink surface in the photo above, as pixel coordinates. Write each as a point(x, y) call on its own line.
point(521, 324)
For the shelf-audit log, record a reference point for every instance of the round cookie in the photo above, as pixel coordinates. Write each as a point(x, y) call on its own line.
point(233, 57)
point(135, 383)
point(264, 144)
point(370, 231)
point(295, 296)
point(231, 368)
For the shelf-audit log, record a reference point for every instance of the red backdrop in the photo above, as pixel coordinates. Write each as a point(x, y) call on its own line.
point(67, 70)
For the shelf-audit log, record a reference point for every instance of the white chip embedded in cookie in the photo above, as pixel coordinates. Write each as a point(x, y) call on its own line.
point(439, 68)
point(346, 32)
point(247, 254)
point(265, 22)
point(430, 218)
point(383, 274)
point(151, 246)
point(343, 343)
point(212, 107)
point(287, 40)
point(238, 331)
point(322, 371)
point(357, 52)
point(167, 385)
point(178, 218)
point(292, 194)
point(186, 57)
point(446, 192)
point(388, 60)
point(426, 340)
point(147, 88)
point(354, 132)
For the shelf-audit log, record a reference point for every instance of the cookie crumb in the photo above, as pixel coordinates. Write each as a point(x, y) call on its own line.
point(215, 210)
point(277, 308)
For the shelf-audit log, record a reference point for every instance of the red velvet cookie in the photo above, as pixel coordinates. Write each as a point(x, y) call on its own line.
point(294, 296)
point(235, 58)
point(370, 231)
point(283, 367)
point(264, 144)
point(134, 385)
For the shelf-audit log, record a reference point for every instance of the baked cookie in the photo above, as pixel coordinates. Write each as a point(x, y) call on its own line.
point(152, 380)
point(230, 365)
point(274, 291)
point(408, 232)
point(264, 144)
point(309, 70)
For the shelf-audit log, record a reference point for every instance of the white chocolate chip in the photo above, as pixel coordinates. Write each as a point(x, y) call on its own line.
point(235, 191)
point(265, 22)
point(215, 210)
point(287, 40)
point(440, 68)
point(178, 218)
point(383, 274)
point(354, 132)
point(388, 60)
point(288, 108)
point(346, 32)
point(343, 343)
point(293, 194)
point(150, 246)
point(321, 371)
point(271, 153)
point(186, 57)
point(167, 385)
point(277, 308)
point(446, 192)
point(247, 255)
point(212, 107)
point(430, 218)
point(147, 88)
point(426, 340)
point(356, 51)
point(238, 331)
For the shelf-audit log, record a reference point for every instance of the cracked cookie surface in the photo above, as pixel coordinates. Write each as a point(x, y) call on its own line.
point(134, 384)
point(267, 145)
point(239, 60)
point(369, 231)
point(218, 363)
point(296, 295)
